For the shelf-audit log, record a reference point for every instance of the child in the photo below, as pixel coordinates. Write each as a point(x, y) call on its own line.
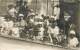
point(73, 41)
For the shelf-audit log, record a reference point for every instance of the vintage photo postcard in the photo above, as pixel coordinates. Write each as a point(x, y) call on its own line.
point(39, 24)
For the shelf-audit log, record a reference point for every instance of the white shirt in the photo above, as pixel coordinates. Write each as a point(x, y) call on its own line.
point(56, 12)
point(23, 23)
point(32, 20)
point(50, 30)
point(47, 22)
point(56, 30)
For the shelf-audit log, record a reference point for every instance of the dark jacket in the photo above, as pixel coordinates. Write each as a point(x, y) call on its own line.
point(23, 10)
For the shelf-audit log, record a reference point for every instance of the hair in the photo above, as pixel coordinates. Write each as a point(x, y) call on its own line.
point(11, 6)
point(57, 6)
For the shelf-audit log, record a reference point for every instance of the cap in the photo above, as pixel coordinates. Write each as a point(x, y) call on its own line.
point(21, 15)
point(72, 32)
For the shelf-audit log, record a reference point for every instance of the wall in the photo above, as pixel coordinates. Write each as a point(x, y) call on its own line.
point(32, 4)
point(3, 6)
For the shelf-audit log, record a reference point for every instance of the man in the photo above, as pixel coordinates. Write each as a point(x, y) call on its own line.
point(12, 12)
point(56, 9)
point(70, 7)
point(23, 9)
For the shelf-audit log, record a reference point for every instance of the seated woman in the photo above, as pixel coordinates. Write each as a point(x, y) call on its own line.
point(73, 40)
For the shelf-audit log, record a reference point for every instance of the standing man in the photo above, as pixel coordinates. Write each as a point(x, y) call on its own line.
point(12, 12)
point(56, 9)
point(19, 3)
point(70, 7)
point(24, 9)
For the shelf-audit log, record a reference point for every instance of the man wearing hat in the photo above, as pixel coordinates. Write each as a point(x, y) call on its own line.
point(56, 9)
point(12, 12)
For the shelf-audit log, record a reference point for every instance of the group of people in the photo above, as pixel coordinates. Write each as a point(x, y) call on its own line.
point(22, 22)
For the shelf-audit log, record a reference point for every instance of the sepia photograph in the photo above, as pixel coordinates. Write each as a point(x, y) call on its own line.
point(39, 24)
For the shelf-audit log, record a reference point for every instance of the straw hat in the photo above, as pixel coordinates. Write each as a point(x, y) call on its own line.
point(21, 15)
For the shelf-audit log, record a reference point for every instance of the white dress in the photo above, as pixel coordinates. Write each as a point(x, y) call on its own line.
point(41, 33)
point(73, 42)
